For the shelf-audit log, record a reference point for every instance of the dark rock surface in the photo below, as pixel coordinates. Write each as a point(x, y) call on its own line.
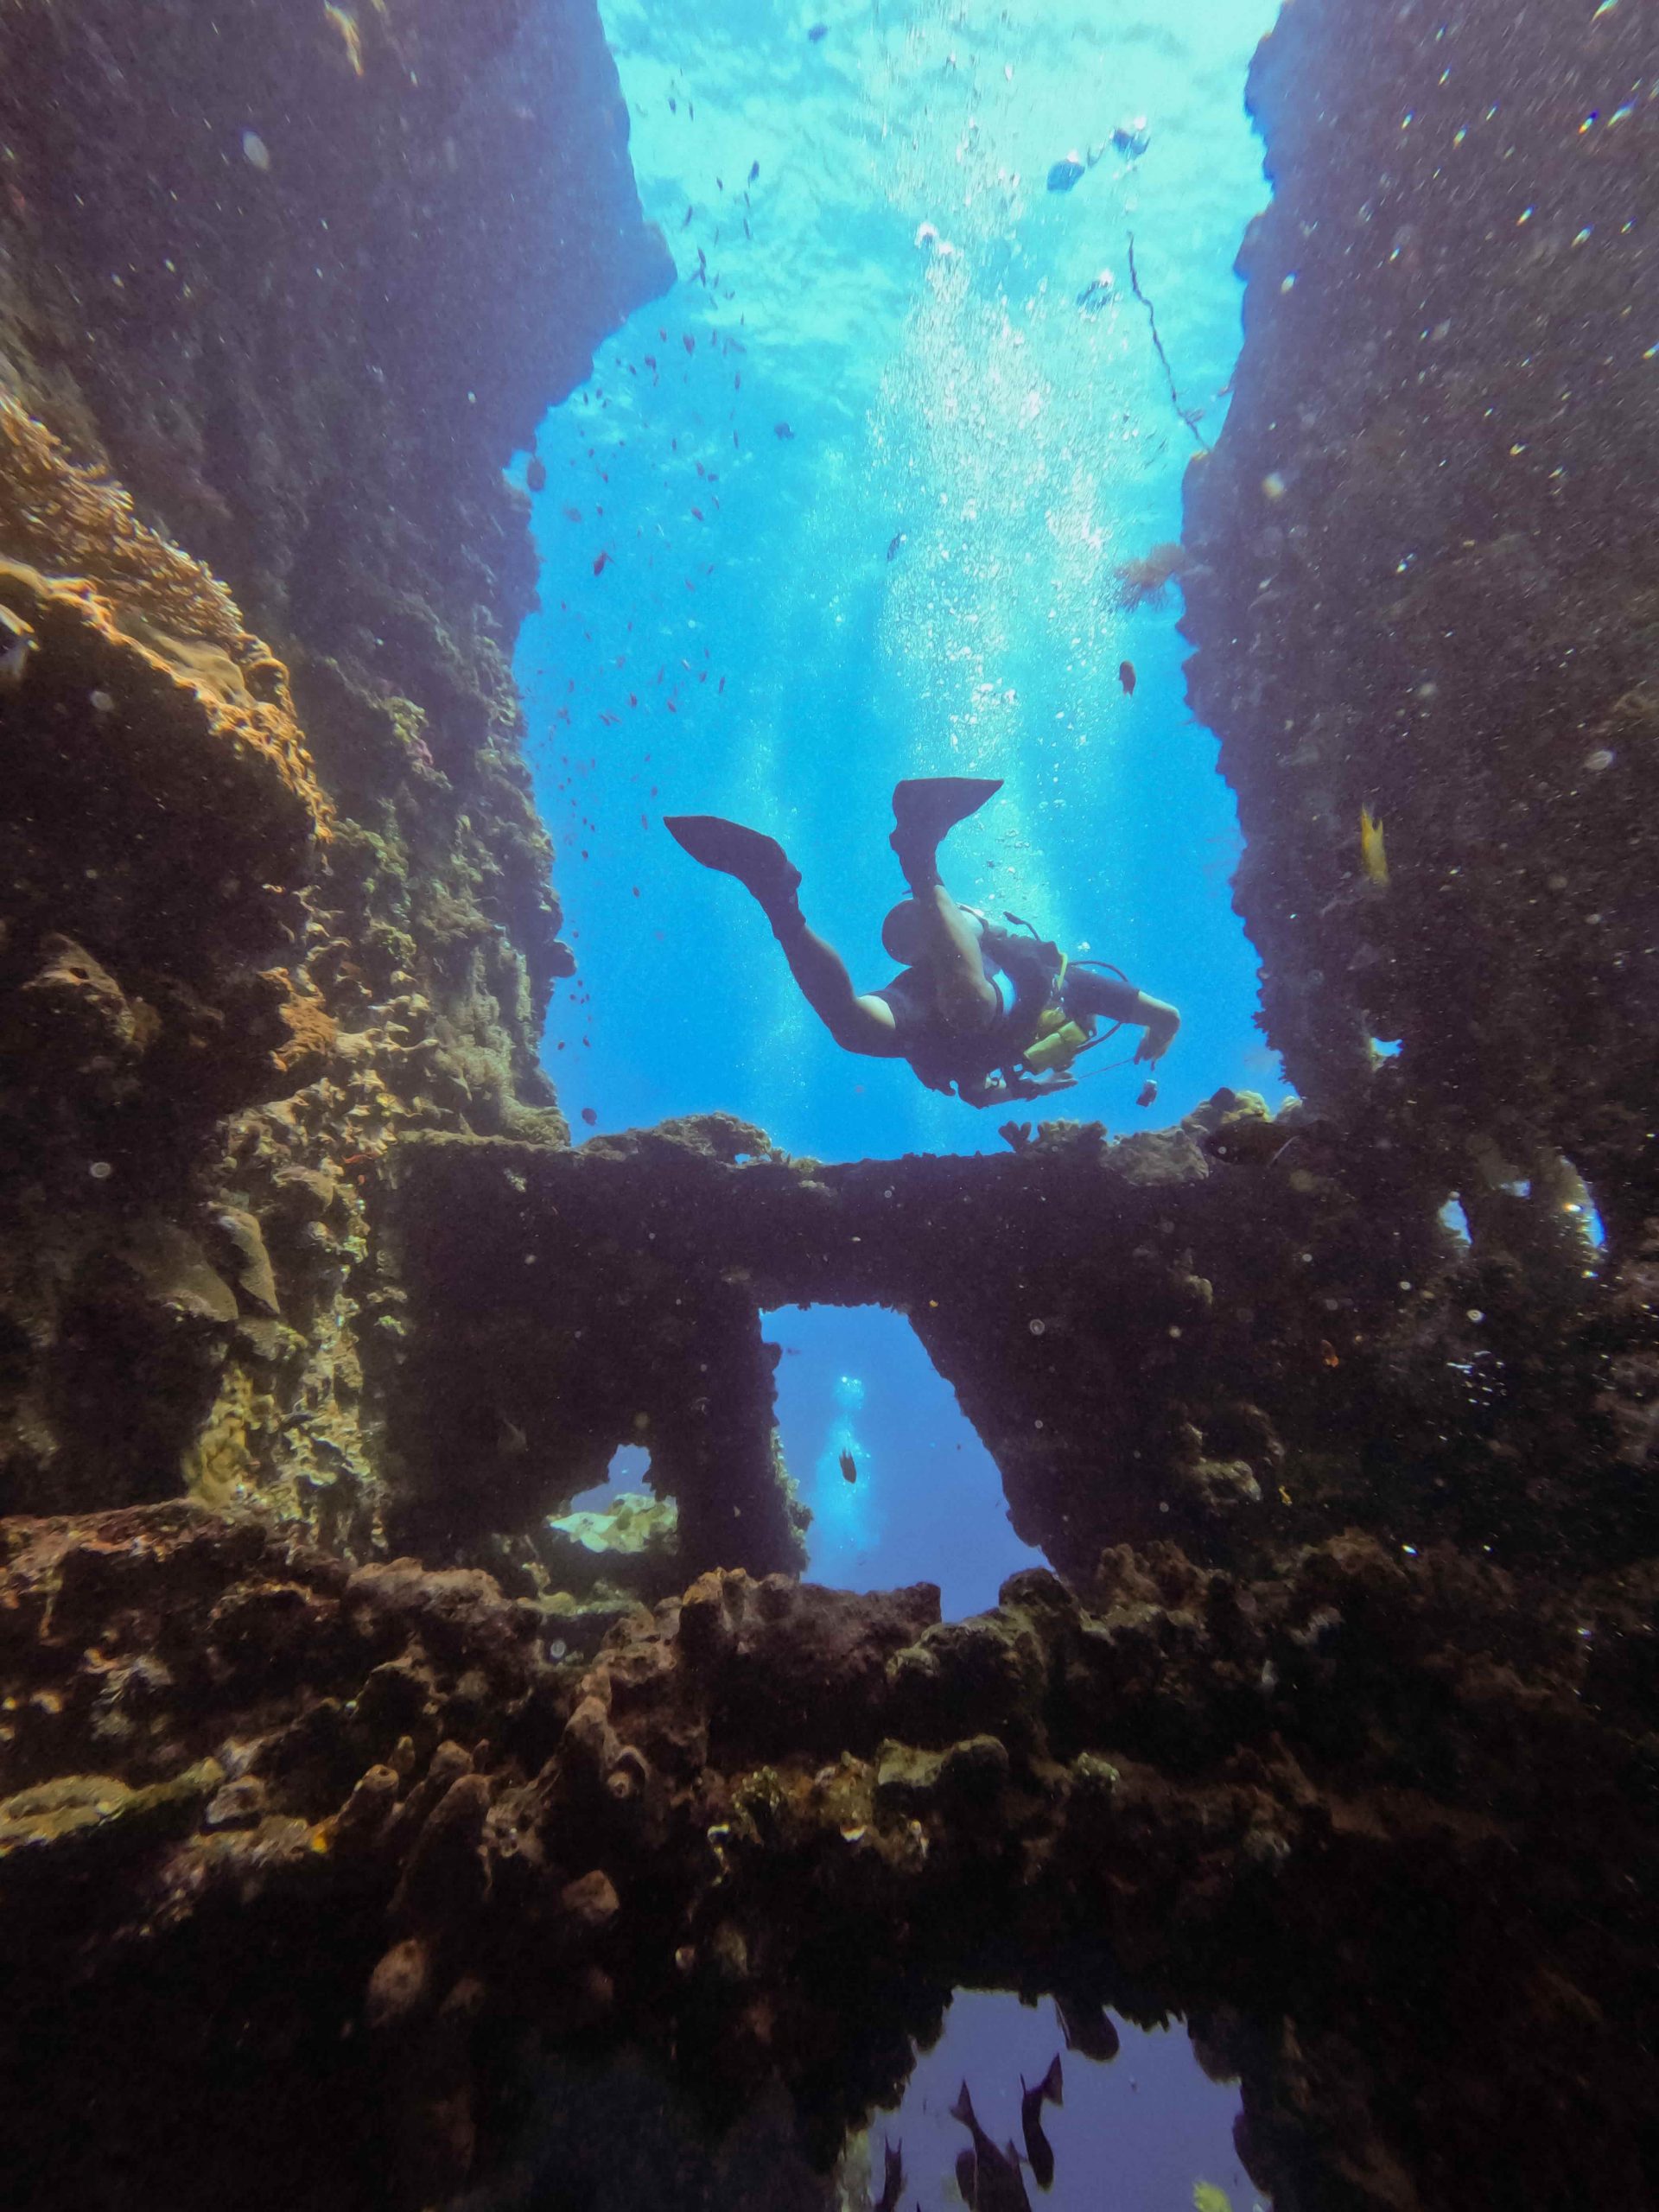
point(1152, 1343)
point(1421, 578)
point(1381, 1828)
point(287, 285)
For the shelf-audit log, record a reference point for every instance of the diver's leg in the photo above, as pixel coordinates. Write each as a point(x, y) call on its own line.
point(924, 808)
point(965, 993)
point(858, 1024)
point(765, 870)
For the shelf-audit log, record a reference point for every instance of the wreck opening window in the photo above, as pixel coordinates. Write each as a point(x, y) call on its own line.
point(630, 1465)
point(925, 1503)
point(1155, 2116)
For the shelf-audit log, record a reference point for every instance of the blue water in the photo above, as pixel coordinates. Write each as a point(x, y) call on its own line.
point(759, 654)
point(1133, 2136)
point(748, 647)
point(723, 630)
point(926, 1504)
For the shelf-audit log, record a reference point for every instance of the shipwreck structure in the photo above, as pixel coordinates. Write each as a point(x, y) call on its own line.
point(343, 1860)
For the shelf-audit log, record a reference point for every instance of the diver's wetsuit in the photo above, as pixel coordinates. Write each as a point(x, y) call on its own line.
point(1022, 972)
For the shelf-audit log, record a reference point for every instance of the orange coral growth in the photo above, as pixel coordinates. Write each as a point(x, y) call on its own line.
point(1144, 580)
point(72, 540)
point(311, 1030)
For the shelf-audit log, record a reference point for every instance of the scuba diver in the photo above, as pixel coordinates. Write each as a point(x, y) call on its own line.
point(987, 1013)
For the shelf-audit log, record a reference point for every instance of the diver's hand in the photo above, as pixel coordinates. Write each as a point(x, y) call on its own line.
point(1159, 1033)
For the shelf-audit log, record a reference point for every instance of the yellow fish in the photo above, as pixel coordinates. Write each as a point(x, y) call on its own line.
point(1373, 853)
point(346, 24)
point(1208, 2198)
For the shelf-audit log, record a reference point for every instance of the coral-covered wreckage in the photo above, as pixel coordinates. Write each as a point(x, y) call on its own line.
point(355, 1850)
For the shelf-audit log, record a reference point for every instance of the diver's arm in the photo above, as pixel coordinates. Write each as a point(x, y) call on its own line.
point(1111, 999)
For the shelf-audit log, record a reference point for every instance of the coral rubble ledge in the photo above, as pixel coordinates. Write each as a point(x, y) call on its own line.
point(373, 1838)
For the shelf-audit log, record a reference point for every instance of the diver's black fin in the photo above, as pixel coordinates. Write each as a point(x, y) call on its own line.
point(759, 862)
point(924, 807)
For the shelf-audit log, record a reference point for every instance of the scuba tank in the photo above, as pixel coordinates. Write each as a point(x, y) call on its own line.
point(1058, 1039)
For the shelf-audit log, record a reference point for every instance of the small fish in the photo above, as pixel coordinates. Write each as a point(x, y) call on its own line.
point(1147, 1094)
point(1373, 853)
point(686, 224)
point(1088, 2029)
point(599, 565)
point(1096, 292)
point(1206, 2197)
point(896, 544)
point(509, 1441)
point(848, 1467)
point(892, 2183)
point(818, 31)
point(754, 171)
point(697, 514)
point(1126, 676)
point(998, 2184)
point(17, 644)
point(535, 474)
point(1066, 171)
point(1132, 138)
point(1038, 2150)
point(690, 343)
point(782, 430)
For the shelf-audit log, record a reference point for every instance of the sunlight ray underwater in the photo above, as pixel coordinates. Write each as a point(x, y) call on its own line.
point(848, 504)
